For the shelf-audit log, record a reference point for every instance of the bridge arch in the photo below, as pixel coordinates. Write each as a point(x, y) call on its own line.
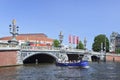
point(95, 58)
point(40, 58)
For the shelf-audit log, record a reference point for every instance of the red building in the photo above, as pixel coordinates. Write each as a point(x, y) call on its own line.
point(36, 39)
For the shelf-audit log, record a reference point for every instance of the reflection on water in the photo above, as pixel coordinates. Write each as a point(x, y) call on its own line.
point(101, 71)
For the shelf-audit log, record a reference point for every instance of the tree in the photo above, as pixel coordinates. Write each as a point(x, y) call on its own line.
point(56, 43)
point(98, 40)
point(80, 45)
point(117, 51)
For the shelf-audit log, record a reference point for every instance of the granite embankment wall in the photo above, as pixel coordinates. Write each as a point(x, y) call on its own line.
point(113, 57)
point(8, 58)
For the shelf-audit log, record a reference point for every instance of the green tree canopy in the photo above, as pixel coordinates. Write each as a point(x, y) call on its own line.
point(80, 45)
point(117, 50)
point(98, 40)
point(56, 43)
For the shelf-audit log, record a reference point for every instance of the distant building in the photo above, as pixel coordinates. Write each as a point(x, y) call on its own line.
point(114, 41)
point(37, 39)
point(117, 42)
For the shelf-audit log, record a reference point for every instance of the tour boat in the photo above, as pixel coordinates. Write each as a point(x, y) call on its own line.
point(81, 64)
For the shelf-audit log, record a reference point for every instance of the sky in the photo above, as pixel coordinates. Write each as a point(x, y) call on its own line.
point(83, 18)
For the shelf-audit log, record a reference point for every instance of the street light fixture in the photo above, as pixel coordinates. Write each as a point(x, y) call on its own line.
point(105, 48)
point(85, 42)
point(14, 31)
point(61, 38)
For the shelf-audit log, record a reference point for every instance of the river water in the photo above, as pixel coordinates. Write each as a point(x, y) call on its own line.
point(97, 71)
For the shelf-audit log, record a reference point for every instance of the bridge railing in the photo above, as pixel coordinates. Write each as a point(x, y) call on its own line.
point(9, 47)
point(38, 48)
point(13, 47)
point(49, 48)
point(77, 50)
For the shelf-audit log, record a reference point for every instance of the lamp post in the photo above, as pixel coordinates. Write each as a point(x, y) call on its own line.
point(114, 49)
point(114, 44)
point(105, 49)
point(101, 47)
point(61, 38)
point(14, 31)
point(85, 42)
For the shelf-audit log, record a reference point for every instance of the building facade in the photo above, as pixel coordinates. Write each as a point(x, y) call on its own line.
point(36, 39)
point(117, 43)
point(114, 42)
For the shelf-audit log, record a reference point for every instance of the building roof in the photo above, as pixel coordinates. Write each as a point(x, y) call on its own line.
point(35, 36)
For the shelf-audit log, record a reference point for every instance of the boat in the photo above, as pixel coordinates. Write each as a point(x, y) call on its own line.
point(81, 64)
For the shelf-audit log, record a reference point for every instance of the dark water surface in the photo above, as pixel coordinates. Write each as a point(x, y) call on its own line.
point(101, 71)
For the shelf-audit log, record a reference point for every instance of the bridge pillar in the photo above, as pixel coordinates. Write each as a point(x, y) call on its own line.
point(10, 58)
point(62, 57)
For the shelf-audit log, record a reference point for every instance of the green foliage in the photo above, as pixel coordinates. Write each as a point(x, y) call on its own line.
point(97, 43)
point(80, 45)
point(56, 43)
point(117, 50)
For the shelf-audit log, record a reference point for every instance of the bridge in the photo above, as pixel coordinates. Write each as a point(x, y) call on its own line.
point(55, 54)
point(29, 54)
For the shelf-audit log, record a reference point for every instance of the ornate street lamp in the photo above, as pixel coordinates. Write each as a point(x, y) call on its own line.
point(101, 47)
point(85, 42)
point(61, 38)
point(105, 49)
point(14, 31)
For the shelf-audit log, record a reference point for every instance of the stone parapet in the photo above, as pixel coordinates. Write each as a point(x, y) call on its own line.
point(113, 57)
point(9, 58)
